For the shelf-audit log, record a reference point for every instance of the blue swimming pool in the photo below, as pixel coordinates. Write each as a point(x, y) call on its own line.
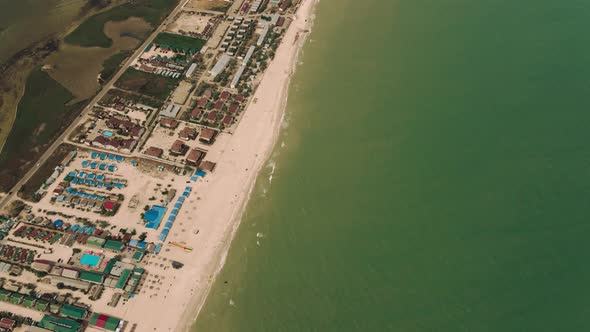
point(90, 260)
point(107, 133)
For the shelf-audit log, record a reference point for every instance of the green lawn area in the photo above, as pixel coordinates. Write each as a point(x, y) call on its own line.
point(42, 112)
point(178, 41)
point(90, 32)
point(147, 84)
point(110, 65)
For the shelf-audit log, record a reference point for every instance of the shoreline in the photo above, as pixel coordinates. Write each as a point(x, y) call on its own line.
point(304, 15)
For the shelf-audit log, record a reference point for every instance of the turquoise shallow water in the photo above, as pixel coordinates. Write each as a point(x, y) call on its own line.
point(435, 176)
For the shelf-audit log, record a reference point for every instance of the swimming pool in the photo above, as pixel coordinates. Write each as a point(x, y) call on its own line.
point(91, 260)
point(107, 133)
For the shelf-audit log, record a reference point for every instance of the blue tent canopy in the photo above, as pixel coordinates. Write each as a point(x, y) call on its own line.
point(85, 163)
point(94, 155)
point(103, 156)
point(120, 159)
point(93, 164)
point(158, 248)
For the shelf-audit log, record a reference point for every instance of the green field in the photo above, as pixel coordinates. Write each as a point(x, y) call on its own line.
point(179, 41)
point(90, 33)
point(147, 84)
point(42, 112)
point(110, 65)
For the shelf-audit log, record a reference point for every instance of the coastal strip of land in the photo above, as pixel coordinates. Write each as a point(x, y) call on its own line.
point(120, 213)
point(252, 143)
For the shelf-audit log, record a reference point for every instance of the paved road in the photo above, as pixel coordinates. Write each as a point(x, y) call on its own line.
point(85, 111)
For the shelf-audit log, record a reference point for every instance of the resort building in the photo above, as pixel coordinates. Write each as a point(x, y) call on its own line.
point(169, 123)
point(154, 152)
point(106, 322)
point(171, 110)
point(73, 311)
point(178, 148)
point(195, 156)
point(220, 65)
point(207, 135)
point(60, 324)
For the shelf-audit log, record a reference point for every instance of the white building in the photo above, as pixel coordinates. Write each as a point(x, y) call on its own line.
point(263, 34)
point(171, 110)
point(220, 65)
point(236, 79)
point(191, 70)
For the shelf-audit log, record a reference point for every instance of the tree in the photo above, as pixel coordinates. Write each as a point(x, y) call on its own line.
point(177, 265)
point(142, 236)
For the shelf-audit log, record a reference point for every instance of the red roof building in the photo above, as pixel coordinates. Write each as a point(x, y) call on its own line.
point(219, 105)
point(202, 102)
point(207, 135)
point(195, 156)
point(233, 108)
point(228, 119)
point(188, 133)
point(212, 116)
point(7, 323)
point(168, 123)
point(239, 98)
point(196, 114)
point(178, 148)
point(224, 95)
point(154, 152)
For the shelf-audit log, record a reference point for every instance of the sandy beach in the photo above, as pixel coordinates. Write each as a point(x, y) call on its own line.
point(170, 299)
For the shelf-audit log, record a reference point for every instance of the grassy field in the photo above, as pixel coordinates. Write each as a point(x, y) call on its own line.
point(112, 64)
point(90, 32)
point(137, 98)
point(179, 41)
point(42, 114)
point(27, 191)
point(147, 84)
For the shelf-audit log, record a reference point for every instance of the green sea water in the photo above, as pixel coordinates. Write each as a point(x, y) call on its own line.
point(434, 176)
